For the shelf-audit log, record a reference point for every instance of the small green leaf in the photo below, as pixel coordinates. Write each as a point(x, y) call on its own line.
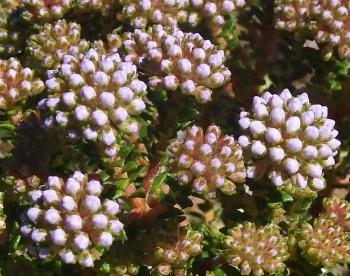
point(157, 181)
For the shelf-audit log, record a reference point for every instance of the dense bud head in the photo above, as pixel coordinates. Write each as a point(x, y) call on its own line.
point(99, 96)
point(256, 250)
point(53, 41)
point(338, 210)
point(324, 243)
point(295, 151)
point(17, 83)
point(177, 60)
point(70, 222)
point(44, 11)
point(209, 161)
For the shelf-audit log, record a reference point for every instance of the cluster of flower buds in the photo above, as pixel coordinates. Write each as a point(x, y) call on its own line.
point(256, 251)
point(208, 161)
point(338, 210)
point(68, 220)
point(177, 60)
point(94, 96)
point(147, 12)
point(9, 4)
point(53, 41)
point(16, 83)
point(292, 15)
point(44, 10)
point(216, 10)
point(290, 140)
point(3, 232)
point(332, 20)
point(324, 243)
point(172, 254)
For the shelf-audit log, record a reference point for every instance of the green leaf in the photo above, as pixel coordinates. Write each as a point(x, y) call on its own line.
point(157, 181)
point(286, 197)
point(122, 183)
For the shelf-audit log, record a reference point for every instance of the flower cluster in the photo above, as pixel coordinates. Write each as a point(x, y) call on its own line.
point(208, 160)
point(69, 220)
point(172, 248)
point(332, 22)
point(324, 243)
point(327, 20)
point(290, 140)
point(45, 49)
point(95, 96)
point(44, 10)
point(177, 60)
point(338, 210)
point(94, 5)
point(164, 12)
point(17, 83)
point(256, 250)
point(292, 15)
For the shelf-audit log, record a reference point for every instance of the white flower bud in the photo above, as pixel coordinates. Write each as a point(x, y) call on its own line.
point(334, 144)
point(330, 162)
point(301, 181)
point(307, 118)
point(54, 182)
point(106, 99)
point(318, 184)
point(87, 261)
point(198, 54)
point(137, 106)
point(198, 168)
point(52, 216)
point(101, 78)
point(310, 152)
point(184, 65)
point(69, 98)
point(325, 133)
point(100, 221)
point(324, 151)
point(81, 242)
point(68, 204)
point(226, 151)
point(205, 149)
point(230, 167)
point(120, 77)
point(292, 124)
point(72, 186)
point(92, 203)
point(90, 134)
point(58, 236)
point(38, 235)
point(35, 195)
point(276, 102)
point(52, 84)
point(50, 196)
point(87, 66)
point(276, 178)
point(258, 148)
point(73, 222)
point(311, 133)
point(99, 117)
point(314, 170)
point(244, 123)
point(273, 136)
point(257, 127)
point(52, 102)
point(294, 105)
point(26, 230)
point(188, 87)
point(215, 163)
point(33, 214)
point(189, 145)
point(291, 165)
point(125, 94)
point(277, 116)
point(243, 141)
point(111, 207)
point(276, 154)
point(120, 114)
point(203, 71)
point(94, 187)
point(286, 95)
point(76, 80)
point(67, 256)
point(116, 226)
point(108, 137)
point(105, 240)
point(294, 145)
point(81, 113)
